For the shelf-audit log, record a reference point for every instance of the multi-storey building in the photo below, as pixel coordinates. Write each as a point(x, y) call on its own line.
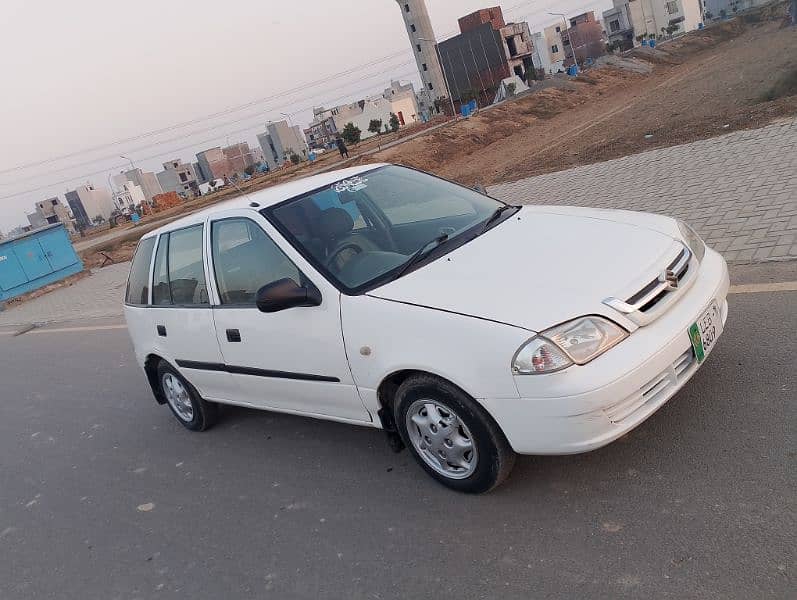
point(654, 17)
point(213, 164)
point(49, 212)
point(486, 51)
point(147, 181)
point(583, 39)
point(128, 197)
point(88, 204)
point(280, 141)
point(549, 52)
point(619, 23)
point(179, 177)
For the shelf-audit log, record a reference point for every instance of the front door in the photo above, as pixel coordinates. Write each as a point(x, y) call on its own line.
point(293, 360)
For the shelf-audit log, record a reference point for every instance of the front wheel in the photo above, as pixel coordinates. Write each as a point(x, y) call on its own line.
point(191, 410)
point(451, 436)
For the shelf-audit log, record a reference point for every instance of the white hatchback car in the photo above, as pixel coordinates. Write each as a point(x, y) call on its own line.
point(468, 329)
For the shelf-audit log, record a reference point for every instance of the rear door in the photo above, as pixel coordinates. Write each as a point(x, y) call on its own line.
point(182, 318)
point(292, 360)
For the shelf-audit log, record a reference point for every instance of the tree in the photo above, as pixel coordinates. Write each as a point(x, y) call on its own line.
point(296, 159)
point(510, 88)
point(250, 170)
point(394, 122)
point(375, 126)
point(351, 134)
point(387, 128)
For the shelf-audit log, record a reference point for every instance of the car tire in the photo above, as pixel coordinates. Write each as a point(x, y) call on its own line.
point(451, 436)
point(184, 401)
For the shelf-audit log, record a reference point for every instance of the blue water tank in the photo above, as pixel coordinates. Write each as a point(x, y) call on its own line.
point(36, 259)
point(652, 43)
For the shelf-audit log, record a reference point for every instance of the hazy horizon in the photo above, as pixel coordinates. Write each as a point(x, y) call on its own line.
point(84, 74)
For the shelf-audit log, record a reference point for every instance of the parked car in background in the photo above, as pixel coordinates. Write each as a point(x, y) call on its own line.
point(468, 329)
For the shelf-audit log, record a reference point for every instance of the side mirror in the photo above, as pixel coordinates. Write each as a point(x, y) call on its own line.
point(286, 293)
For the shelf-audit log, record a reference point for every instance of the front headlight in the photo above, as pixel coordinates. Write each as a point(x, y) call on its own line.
point(576, 342)
point(694, 241)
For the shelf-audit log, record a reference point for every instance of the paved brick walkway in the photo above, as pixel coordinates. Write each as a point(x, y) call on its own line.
point(739, 191)
point(95, 297)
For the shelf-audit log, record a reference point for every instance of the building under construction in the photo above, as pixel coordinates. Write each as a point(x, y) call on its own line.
point(486, 51)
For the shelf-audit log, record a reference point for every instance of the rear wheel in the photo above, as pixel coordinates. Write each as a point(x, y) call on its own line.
point(191, 410)
point(451, 436)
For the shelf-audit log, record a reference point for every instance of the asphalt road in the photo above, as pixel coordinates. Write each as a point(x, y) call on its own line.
point(104, 495)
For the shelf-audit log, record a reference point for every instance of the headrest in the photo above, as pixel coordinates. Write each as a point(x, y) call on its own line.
point(335, 222)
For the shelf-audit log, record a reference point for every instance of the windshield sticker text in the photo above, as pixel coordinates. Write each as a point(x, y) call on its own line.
point(355, 184)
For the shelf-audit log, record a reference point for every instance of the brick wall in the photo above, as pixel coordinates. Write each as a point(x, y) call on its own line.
point(492, 15)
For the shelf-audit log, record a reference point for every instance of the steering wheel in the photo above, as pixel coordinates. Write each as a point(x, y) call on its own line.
point(332, 259)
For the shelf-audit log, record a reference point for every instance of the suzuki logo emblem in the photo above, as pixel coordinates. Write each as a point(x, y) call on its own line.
point(670, 278)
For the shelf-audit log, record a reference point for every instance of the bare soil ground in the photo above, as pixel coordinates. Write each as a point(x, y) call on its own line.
point(734, 75)
point(738, 74)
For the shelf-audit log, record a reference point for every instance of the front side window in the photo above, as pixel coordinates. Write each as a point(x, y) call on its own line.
point(179, 273)
point(245, 259)
point(362, 231)
point(138, 282)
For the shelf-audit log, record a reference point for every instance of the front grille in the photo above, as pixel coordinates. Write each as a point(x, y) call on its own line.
point(655, 283)
point(640, 306)
point(655, 390)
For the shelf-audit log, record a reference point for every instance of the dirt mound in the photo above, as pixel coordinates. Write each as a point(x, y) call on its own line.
point(653, 55)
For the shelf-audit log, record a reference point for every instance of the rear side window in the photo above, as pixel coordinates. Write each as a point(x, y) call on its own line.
point(138, 282)
point(179, 273)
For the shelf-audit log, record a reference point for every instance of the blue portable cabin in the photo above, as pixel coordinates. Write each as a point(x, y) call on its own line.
point(36, 259)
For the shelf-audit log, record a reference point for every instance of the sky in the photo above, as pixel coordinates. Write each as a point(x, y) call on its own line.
point(85, 81)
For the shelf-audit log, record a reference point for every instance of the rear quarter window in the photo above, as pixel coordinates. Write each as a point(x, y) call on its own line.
point(138, 282)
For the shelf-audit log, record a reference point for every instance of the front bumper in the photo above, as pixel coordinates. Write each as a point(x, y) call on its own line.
point(585, 407)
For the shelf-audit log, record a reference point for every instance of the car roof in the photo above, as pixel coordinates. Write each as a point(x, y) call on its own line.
point(267, 197)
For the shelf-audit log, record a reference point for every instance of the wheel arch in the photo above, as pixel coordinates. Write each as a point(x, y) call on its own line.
point(151, 369)
point(386, 392)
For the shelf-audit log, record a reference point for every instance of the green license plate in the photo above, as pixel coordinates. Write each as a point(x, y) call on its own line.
point(704, 332)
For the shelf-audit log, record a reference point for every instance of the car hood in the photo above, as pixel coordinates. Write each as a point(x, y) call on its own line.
point(542, 266)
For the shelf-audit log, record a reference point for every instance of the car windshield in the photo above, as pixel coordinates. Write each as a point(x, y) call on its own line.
point(365, 229)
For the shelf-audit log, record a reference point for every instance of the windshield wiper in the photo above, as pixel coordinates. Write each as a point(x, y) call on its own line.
point(420, 253)
point(495, 216)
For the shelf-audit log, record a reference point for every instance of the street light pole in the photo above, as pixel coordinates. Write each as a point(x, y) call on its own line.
point(130, 160)
point(572, 49)
point(445, 77)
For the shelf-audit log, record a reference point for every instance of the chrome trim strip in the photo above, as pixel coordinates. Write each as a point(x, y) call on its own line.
point(663, 286)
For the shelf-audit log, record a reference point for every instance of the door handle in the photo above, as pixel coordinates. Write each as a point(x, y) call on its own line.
point(233, 335)
point(162, 330)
